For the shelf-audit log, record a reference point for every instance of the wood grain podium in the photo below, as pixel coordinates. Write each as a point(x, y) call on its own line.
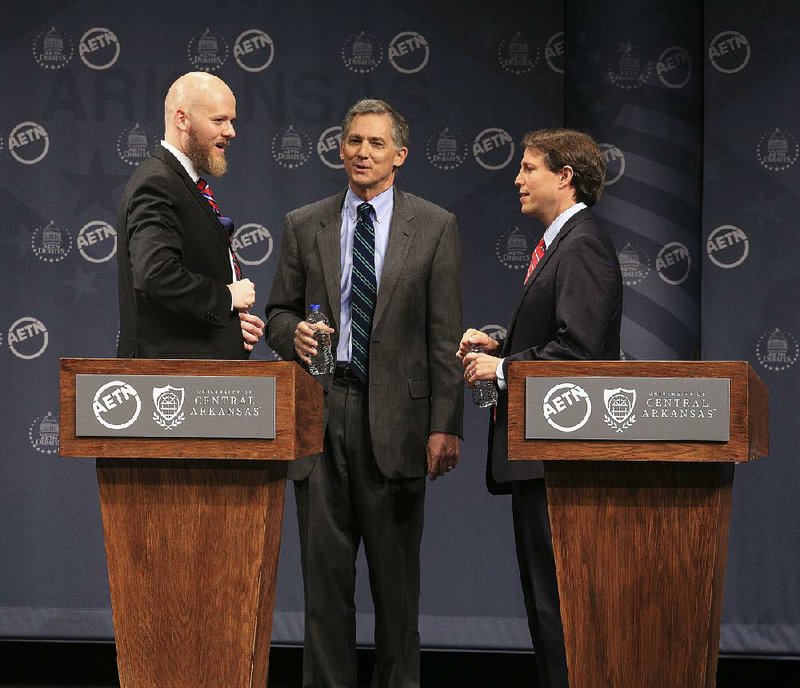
point(640, 531)
point(192, 529)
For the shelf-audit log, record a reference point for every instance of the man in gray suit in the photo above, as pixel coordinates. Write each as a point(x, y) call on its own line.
point(385, 267)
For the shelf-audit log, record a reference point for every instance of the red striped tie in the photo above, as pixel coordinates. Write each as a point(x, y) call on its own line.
point(536, 256)
point(205, 189)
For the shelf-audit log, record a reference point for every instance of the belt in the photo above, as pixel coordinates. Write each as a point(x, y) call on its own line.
point(344, 373)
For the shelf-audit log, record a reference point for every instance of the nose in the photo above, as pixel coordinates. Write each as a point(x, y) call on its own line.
point(230, 132)
point(518, 181)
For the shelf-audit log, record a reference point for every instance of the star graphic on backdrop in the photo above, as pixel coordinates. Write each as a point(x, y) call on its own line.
point(22, 240)
point(96, 186)
point(597, 106)
point(625, 48)
point(765, 209)
point(82, 283)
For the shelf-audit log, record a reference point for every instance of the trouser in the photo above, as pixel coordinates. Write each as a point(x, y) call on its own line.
point(344, 501)
point(537, 572)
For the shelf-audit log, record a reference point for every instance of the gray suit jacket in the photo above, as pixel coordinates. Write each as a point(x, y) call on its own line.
point(415, 383)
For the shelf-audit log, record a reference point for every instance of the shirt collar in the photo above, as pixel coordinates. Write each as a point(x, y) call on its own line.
point(382, 204)
point(188, 165)
point(555, 226)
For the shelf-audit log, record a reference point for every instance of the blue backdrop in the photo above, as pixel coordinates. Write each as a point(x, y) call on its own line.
point(688, 102)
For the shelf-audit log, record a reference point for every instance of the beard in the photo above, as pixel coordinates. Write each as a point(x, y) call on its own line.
point(201, 155)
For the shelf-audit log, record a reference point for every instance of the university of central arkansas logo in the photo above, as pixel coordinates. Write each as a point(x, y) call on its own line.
point(619, 408)
point(168, 402)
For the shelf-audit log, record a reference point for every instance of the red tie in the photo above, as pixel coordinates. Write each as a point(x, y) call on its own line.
point(205, 189)
point(536, 256)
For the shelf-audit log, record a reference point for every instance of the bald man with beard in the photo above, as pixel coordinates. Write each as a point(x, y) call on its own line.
point(181, 293)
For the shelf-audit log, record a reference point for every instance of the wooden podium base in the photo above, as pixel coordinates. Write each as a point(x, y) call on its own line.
point(192, 548)
point(640, 552)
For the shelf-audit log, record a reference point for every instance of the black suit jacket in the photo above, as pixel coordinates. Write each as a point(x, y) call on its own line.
point(173, 269)
point(415, 382)
point(570, 309)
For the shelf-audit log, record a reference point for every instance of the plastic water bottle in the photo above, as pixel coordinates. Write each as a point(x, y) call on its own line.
point(484, 392)
point(322, 363)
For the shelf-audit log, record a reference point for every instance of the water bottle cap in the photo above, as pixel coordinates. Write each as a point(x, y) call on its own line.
point(314, 306)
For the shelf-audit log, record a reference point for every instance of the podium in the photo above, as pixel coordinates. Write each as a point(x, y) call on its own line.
point(640, 527)
point(192, 524)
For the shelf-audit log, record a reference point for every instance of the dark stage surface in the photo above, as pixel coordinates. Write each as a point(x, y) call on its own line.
point(68, 665)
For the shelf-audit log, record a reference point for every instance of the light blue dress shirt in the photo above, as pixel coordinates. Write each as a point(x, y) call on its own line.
point(383, 205)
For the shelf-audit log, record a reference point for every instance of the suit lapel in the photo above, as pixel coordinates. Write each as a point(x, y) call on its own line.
point(401, 236)
point(566, 229)
point(330, 254)
point(170, 160)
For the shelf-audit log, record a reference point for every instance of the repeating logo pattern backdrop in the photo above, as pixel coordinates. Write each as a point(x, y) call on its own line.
point(749, 252)
point(85, 106)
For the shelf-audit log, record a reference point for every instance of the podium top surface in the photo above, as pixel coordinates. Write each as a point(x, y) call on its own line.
point(297, 407)
point(749, 421)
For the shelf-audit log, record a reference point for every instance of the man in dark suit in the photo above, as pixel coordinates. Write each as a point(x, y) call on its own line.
point(570, 309)
point(180, 290)
point(394, 406)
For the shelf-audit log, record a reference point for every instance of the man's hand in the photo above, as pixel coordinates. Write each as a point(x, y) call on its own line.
point(252, 329)
point(443, 451)
point(304, 343)
point(471, 337)
point(480, 367)
point(243, 294)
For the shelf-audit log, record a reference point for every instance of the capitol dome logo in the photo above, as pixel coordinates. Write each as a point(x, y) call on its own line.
point(673, 263)
point(446, 149)
point(28, 142)
point(727, 246)
point(291, 147)
point(674, 67)
point(777, 150)
point(554, 52)
point(513, 249)
point(116, 405)
point(51, 244)
point(97, 241)
point(633, 264)
point(615, 163)
point(776, 350)
point(52, 49)
point(207, 52)
point(409, 52)
point(254, 50)
point(729, 52)
point(252, 244)
point(99, 48)
point(493, 148)
point(362, 53)
point(135, 144)
point(28, 338)
point(628, 69)
point(328, 145)
point(43, 434)
point(566, 407)
point(517, 54)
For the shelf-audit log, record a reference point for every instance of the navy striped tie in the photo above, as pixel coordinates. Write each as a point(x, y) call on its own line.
point(363, 290)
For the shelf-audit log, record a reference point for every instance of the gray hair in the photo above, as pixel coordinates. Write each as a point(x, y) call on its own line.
point(369, 106)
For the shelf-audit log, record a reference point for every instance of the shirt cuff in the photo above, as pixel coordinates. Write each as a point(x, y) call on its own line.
point(501, 380)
